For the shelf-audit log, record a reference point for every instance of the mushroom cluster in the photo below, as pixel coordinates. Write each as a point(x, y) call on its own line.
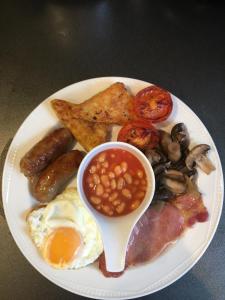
point(175, 165)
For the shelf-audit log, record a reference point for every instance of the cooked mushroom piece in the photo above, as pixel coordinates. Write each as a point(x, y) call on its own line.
point(155, 156)
point(189, 173)
point(192, 188)
point(174, 151)
point(180, 135)
point(165, 140)
point(174, 174)
point(176, 187)
point(175, 181)
point(160, 168)
point(198, 156)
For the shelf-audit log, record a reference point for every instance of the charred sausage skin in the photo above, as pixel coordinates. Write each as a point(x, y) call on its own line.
point(45, 151)
point(56, 176)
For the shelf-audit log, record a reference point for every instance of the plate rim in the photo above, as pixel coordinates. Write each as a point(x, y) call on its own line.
point(80, 290)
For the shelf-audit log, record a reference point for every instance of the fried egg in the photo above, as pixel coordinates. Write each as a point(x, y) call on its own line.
point(65, 233)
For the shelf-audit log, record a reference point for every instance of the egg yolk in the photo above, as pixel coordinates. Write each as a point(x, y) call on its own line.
point(62, 245)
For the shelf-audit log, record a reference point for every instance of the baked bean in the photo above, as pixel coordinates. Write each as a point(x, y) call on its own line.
point(96, 179)
point(102, 157)
point(113, 184)
point(105, 164)
point(106, 209)
point(95, 200)
point(91, 185)
point(98, 166)
point(128, 178)
point(140, 195)
point(103, 171)
point(105, 180)
point(108, 190)
point(120, 183)
point(143, 182)
point(93, 169)
point(105, 195)
point(118, 170)
point(135, 204)
point(113, 196)
point(112, 155)
point(120, 208)
point(111, 175)
point(126, 193)
point(124, 166)
point(116, 202)
point(140, 174)
point(99, 189)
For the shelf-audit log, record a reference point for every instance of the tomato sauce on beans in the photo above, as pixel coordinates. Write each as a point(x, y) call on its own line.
point(115, 182)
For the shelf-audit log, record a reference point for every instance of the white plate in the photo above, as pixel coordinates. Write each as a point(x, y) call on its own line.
point(89, 281)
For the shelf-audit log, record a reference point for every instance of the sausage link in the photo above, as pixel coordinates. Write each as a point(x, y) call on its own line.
point(54, 178)
point(45, 151)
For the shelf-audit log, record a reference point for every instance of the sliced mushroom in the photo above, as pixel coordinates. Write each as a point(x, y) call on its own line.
point(175, 181)
point(170, 148)
point(155, 156)
point(160, 168)
point(165, 140)
point(180, 135)
point(174, 174)
point(198, 156)
point(174, 151)
point(189, 173)
point(176, 187)
point(192, 188)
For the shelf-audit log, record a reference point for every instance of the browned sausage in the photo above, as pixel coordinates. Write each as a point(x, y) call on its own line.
point(45, 151)
point(55, 177)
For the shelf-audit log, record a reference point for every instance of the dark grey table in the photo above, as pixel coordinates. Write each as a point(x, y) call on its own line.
point(46, 45)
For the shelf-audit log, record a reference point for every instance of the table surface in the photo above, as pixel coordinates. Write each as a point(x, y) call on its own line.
point(48, 44)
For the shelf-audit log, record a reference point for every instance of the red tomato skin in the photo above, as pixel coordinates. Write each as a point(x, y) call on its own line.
point(153, 103)
point(146, 131)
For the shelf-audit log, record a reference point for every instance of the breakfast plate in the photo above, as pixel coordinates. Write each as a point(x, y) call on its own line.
point(89, 281)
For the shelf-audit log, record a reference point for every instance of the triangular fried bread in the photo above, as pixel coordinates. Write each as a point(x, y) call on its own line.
point(88, 134)
point(113, 105)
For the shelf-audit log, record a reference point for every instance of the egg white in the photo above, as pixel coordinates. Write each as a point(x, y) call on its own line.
point(67, 210)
